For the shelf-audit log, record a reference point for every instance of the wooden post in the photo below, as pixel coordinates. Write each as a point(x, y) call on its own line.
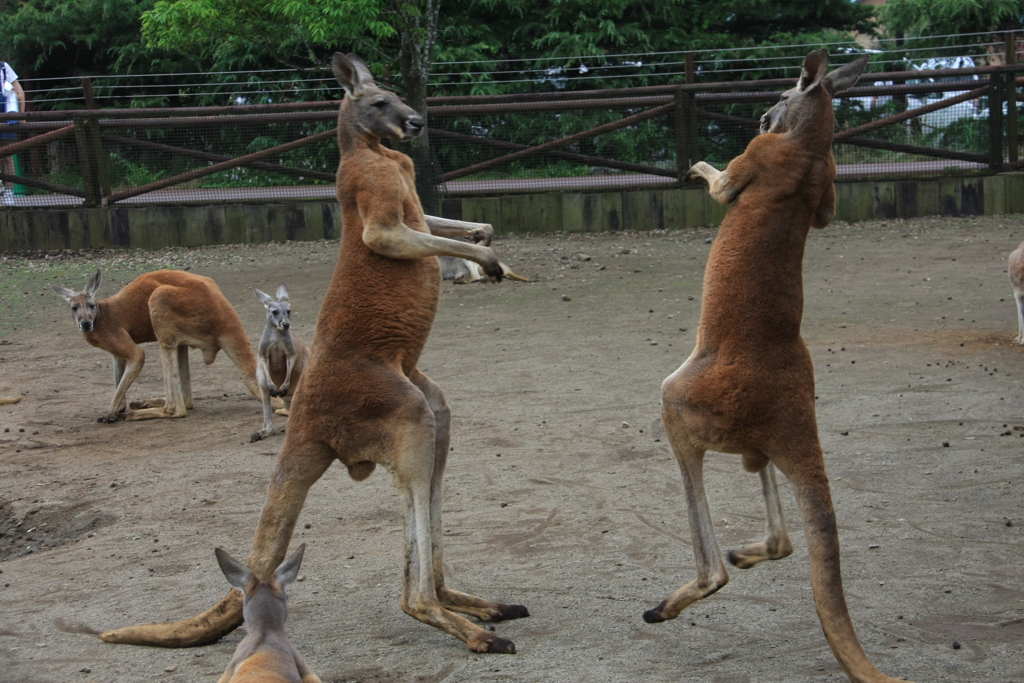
point(86, 164)
point(692, 140)
point(95, 141)
point(682, 153)
point(1011, 97)
point(995, 121)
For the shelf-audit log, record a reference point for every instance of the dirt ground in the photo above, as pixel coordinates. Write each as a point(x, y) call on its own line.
point(561, 493)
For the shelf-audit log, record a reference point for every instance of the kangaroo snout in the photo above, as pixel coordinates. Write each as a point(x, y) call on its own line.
point(414, 125)
point(285, 325)
point(85, 326)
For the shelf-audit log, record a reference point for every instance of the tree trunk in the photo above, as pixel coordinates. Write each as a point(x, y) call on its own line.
point(416, 54)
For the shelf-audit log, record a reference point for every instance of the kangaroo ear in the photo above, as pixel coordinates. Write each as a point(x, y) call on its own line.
point(93, 285)
point(234, 571)
point(263, 296)
point(63, 292)
point(282, 292)
point(813, 69)
point(845, 77)
point(289, 569)
point(352, 73)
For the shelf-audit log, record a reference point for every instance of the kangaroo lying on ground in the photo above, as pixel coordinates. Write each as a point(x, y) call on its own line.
point(464, 271)
point(1016, 273)
point(177, 309)
point(265, 655)
point(748, 386)
point(280, 359)
point(362, 400)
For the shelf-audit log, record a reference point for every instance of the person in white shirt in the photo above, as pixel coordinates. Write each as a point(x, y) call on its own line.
point(14, 101)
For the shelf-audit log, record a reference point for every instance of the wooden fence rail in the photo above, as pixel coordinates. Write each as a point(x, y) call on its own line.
point(683, 105)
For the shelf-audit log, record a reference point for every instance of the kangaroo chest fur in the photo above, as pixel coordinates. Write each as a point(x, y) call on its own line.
point(378, 306)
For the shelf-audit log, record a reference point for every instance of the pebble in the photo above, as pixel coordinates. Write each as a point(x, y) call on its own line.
point(565, 297)
point(170, 669)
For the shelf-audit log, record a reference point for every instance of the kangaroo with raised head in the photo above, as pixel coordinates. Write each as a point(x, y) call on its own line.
point(748, 386)
point(362, 400)
point(178, 310)
point(265, 655)
point(280, 358)
point(1015, 271)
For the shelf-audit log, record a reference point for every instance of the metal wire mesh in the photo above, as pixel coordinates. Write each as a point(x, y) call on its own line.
point(554, 126)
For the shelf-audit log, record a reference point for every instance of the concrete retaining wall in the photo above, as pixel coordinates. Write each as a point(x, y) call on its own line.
point(191, 226)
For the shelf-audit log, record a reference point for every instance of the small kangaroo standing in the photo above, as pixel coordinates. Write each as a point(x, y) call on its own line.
point(281, 358)
point(265, 655)
point(177, 309)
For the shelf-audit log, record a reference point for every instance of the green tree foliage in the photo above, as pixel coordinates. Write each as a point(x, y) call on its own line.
point(502, 30)
point(303, 34)
point(58, 38)
point(951, 18)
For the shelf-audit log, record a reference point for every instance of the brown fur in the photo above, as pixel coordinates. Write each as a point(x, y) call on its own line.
point(265, 655)
point(177, 309)
point(748, 386)
point(280, 361)
point(362, 399)
point(1015, 271)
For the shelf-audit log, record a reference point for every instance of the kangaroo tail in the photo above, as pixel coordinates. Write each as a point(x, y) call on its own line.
point(819, 517)
point(208, 627)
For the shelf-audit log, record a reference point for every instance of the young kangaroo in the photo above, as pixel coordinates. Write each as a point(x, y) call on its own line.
point(265, 655)
point(1016, 273)
point(177, 309)
point(748, 386)
point(280, 359)
point(362, 400)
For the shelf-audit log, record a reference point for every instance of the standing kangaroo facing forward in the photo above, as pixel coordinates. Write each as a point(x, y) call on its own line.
point(362, 400)
point(280, 359)
point(748, 386)
point(265, 655)
point(177, 309)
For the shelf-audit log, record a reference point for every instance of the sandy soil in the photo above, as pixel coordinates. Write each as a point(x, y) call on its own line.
point(561, 493)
